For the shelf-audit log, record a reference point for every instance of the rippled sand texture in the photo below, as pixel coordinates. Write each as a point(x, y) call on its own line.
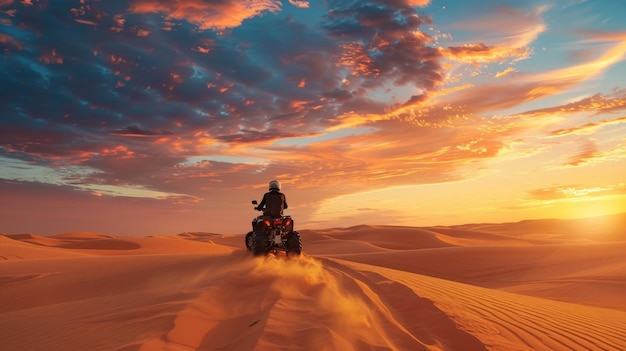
point(534, 285)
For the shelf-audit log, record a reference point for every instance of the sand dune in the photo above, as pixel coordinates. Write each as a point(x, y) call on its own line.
point(474, 287)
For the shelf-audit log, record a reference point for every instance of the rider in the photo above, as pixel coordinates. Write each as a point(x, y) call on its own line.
point(273, 203)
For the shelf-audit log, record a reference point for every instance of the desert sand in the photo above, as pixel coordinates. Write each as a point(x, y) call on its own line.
point(532, 285)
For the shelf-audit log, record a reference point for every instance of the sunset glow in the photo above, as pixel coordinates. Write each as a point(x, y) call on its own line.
point(157, 117)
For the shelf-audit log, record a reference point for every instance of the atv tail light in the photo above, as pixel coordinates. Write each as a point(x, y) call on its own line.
point(267, 222)
point(287, 222)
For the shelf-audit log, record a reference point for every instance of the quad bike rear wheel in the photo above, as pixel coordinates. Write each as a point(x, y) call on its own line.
point(294, 244)
point(260, 245)
point(249, 242)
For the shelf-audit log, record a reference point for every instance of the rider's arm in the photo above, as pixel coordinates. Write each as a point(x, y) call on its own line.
point(285, 201)
point(260, 206)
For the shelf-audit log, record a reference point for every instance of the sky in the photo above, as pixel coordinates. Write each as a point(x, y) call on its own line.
point(160, 117)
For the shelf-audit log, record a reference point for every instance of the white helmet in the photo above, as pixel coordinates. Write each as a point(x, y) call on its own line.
point(275, 185)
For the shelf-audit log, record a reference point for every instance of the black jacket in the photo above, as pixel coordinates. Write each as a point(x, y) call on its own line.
point(274, 202)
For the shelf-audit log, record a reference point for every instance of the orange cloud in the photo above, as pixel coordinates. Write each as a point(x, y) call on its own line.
point(351, 119)
point(588, 151)
point(300, 3)
point(508, 93)
point(392, 153)
point(588, 128)
point(598, 102)
point(208, 15)
point(576, 191)
point(51, 58)
point(91, 23)
point(420, 3)
point(505, 35)
point(590, 154)
point(354, 57)
point(10, 42)
point(507, 27)
point(119, 151)
point(595, 67)
point(505, 72)
point(481, 53)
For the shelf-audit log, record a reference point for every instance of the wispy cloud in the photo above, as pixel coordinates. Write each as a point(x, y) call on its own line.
point(576, 192)
point(588, 128)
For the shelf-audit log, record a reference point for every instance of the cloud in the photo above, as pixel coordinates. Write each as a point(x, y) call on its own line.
point(192, 101)
point(599, 103)
point(505, 72)
point(9, 43)
point(384, 44)
point(481, 53)
point(421, 3)
point(250, 136)
point(587, 152)
point(159, 71)
point(522, 87)
point(588, 128)
point(209, 14)
point(506, 26)
point(136, 131)
point(576, 191)
point(504, 34)
point(300, 3)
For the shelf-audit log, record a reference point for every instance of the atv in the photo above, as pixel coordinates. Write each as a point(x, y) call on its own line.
point(272, 235)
